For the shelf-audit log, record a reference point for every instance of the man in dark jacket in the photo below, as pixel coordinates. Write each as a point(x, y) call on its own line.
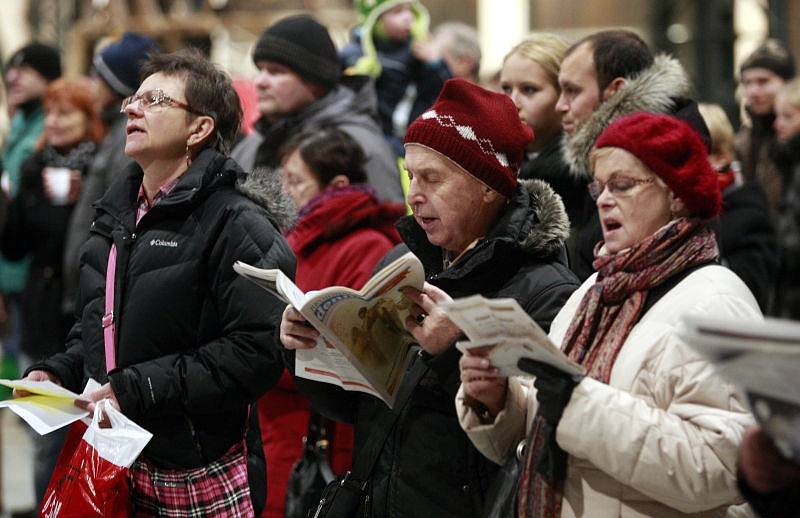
point(762, 74)
point(300, 87)
point(179, 342)
point(476, 230)
point(605, 76)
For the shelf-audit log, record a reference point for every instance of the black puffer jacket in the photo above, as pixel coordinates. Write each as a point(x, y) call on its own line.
point(747, 240)
point(428, 467)
point(194, 341)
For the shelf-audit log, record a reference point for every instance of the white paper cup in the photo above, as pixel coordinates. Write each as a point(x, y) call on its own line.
point(5, 183)
point(57, 181)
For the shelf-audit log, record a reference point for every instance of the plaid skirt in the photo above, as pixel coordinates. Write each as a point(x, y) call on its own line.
point(218, 489)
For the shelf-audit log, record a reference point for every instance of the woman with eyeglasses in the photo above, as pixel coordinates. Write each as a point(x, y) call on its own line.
point(650, 430)
point(180, 343)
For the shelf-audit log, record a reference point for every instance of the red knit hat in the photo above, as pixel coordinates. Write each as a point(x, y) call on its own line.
point(479, 130)
point(673, 150)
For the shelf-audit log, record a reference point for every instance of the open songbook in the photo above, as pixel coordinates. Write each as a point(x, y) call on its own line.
point(364, 344)
point(503, 326)
point(763, 360)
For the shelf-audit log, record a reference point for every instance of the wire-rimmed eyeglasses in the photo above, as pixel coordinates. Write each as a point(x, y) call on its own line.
point(155, 97)
point(618, 186)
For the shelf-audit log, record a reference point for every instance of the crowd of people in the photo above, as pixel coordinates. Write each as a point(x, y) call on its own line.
point(591, 188)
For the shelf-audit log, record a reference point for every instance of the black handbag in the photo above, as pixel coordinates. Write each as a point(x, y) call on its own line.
point(348, 496)
point(312, 472)
point(501, 498)
point(345, 497)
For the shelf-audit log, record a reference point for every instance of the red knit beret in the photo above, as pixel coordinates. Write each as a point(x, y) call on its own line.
point(479, 130)
point(673, 150)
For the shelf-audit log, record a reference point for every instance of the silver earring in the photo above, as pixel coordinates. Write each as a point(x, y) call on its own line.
point(188, 156)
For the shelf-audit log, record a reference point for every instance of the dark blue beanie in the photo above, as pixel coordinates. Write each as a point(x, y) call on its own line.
point(119, 63)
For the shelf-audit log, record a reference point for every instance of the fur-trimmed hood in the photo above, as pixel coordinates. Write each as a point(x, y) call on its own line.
point(263, 187)
point(655, 89)
point(545, 234)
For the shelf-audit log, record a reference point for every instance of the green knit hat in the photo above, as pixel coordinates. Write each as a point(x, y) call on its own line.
point(365, 8)
point(369, 11)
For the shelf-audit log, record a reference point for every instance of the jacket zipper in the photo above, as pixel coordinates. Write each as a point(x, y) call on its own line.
point(195, 439)
point(367, 506)
point(118, 293)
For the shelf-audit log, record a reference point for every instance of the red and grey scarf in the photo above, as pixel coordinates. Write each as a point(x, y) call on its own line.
point(602, 323)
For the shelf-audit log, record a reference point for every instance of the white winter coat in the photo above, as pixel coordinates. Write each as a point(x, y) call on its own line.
point(661, 438)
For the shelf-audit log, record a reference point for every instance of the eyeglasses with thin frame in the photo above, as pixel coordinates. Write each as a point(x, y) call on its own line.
point(618, 186)
point(155, 97)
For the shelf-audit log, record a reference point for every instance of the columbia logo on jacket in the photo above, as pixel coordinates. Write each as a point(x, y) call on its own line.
point(161, 242)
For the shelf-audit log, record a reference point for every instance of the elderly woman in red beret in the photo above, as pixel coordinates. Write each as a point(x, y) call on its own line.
point(650, 430)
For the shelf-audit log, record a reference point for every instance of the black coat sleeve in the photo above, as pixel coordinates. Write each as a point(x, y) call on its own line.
point(444, 368)
point(780, 504)
point(67, 366)
point(244, 361)
point(545, 305)
point(748, 242)
point(329, 400)
point(15, 242)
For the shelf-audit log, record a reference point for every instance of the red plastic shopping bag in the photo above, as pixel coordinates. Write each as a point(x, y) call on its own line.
point(94, 480)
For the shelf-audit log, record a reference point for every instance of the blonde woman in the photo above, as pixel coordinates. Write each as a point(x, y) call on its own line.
point(530, 77)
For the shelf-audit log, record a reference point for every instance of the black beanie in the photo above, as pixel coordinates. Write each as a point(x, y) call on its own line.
point(302, 44)
point(40, 57)
point(773, 56)
point(119, 63)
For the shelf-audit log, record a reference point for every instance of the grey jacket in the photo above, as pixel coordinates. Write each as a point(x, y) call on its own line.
point(109, 161)
point(349, 108)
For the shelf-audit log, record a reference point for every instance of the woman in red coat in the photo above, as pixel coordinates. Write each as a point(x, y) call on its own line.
point(341, 233)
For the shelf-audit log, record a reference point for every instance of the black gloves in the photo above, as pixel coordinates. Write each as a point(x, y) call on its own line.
point(553, 391)
point(553, 388)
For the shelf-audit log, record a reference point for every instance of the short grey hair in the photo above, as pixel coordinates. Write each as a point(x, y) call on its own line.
point(461, 40)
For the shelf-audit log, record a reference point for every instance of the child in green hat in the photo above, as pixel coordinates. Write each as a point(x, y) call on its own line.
point(393, 46)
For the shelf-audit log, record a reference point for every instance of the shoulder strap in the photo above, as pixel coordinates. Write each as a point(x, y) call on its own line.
point(109, 321)
point(363, 466)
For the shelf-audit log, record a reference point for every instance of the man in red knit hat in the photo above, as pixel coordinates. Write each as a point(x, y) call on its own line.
point(477, 230)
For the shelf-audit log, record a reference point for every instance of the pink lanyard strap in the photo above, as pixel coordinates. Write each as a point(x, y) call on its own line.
point(108, 317)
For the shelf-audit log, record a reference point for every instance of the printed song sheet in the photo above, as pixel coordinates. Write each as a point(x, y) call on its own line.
point(511, 333)
point(50, 406)
point(763, 360)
